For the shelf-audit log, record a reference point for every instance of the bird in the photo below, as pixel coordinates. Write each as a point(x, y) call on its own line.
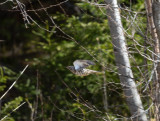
point(79, 68)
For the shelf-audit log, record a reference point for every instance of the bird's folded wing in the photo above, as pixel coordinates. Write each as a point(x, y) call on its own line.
point(78, 64)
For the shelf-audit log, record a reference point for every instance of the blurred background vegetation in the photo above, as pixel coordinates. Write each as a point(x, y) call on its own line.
point(50, 90)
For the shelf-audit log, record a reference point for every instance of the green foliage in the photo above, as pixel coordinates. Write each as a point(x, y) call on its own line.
point(60, 52)
point(8, 107)
point(7, 75)
point(2, 79)
point(137, 5)
point(51, 89)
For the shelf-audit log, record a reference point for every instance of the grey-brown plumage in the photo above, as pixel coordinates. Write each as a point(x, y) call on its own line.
point(79, 68)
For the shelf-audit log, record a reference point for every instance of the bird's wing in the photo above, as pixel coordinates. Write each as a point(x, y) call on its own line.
point(78, 64)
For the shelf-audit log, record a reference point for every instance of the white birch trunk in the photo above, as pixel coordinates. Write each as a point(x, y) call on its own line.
point(122, 62)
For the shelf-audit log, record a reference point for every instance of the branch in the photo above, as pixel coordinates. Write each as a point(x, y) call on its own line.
point(13, 83)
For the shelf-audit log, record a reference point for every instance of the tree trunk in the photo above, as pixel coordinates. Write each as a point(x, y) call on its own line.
point(156, 16)
point(122, 62)
point(153, 16)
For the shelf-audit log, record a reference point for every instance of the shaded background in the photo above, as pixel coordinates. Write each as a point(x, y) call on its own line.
point(50, 91)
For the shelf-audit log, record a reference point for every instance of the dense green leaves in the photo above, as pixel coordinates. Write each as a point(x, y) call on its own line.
point(51, 91)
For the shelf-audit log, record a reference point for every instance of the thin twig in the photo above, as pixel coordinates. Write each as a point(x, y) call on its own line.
point(152, 73)
point(6, 2)
point(12, 111)
point(13, 83)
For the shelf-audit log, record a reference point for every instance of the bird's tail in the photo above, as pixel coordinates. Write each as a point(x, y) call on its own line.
point(100, 72)
point(93, 71)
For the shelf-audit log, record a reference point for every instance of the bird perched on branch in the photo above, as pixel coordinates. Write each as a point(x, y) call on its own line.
point(79, 68)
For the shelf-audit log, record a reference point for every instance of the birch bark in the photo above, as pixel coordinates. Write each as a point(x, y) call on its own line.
point(122, 62)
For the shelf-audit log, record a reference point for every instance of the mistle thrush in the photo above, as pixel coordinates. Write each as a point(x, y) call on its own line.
point(79, 68)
